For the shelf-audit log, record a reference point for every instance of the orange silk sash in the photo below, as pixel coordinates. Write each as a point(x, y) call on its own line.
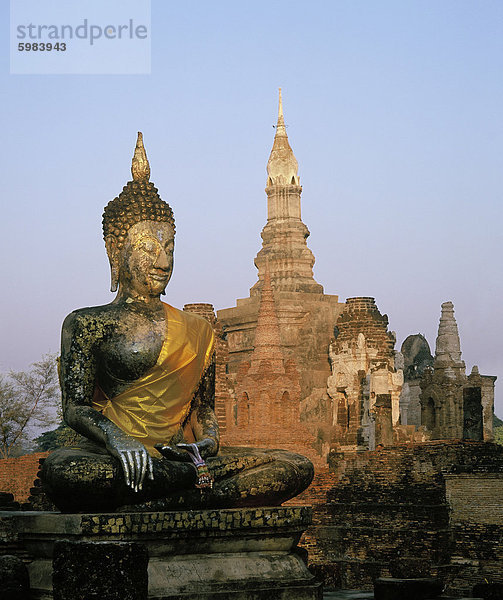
point(155, 406)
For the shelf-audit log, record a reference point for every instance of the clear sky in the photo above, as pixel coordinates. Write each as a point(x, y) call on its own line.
point(394, 111)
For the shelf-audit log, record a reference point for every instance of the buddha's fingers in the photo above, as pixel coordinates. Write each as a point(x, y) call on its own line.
point(132, 470)
point(140, 460)
point(145, 466)
point(125, 468)
point(150, 467)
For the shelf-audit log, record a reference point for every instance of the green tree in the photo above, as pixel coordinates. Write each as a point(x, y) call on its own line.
point(26, 400)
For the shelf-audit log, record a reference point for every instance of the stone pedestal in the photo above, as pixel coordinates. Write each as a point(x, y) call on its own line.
point(233, 554)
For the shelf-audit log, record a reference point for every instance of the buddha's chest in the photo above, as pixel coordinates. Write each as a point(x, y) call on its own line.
point(129, 352)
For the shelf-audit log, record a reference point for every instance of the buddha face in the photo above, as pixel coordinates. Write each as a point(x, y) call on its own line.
point(146, 259)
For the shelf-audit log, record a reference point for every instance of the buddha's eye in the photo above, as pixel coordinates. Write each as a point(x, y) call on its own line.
point(149, 246)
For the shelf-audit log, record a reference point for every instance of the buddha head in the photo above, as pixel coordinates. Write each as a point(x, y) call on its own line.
point(139, 232)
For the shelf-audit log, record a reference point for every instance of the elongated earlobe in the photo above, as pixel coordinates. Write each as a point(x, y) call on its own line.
point(114, 277)
point(113, 257)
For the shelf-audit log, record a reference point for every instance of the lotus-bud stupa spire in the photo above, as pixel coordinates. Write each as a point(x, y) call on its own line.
point(282, 167)
point(284, 236)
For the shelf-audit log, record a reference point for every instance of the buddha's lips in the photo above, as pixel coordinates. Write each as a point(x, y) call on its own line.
point(159, 276)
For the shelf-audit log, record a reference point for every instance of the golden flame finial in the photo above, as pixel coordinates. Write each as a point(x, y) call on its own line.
point(280, 108)
point(140, 168)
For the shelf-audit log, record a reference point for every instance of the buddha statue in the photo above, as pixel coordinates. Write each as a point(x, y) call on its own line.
point(138, 383)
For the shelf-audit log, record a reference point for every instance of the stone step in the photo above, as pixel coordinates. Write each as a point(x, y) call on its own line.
point(489, 591)
point(394, 588)
point(348, 595)
point(363, 595)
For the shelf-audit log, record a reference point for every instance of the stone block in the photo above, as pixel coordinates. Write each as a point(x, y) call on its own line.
point(489, 591)
point(104, 570)
point(14, 580)
point(390, 588)
point(407, 567)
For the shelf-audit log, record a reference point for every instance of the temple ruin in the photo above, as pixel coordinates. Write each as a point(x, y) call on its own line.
point(407, 479)
point(331, 367)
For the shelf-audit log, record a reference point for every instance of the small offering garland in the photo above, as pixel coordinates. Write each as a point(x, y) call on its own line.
point(204, 478)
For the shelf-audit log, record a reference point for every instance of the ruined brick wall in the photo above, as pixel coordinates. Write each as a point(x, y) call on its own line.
point(476, 512)
point(382, 505)
point(223, 388)
point(475, 497)
point(477, 556)
point(18, 474)
point(392, 504)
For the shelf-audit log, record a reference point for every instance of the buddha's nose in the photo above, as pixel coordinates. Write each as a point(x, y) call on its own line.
point(162, 261)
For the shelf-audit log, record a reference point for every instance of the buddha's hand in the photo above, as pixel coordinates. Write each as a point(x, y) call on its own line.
point(207, 447)
point(173, 452)
point(135, 460)
point(181, 451)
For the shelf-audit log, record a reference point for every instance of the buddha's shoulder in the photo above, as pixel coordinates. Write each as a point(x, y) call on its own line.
point(92, 318)
point(193, 322)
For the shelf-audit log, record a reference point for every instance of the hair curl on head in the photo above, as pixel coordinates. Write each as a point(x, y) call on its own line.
point(138, 201)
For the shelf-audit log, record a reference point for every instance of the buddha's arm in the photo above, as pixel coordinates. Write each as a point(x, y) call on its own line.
point(80, 336)
point(203, 419)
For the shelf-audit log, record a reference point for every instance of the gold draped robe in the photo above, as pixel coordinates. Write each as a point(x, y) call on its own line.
point(154, 407)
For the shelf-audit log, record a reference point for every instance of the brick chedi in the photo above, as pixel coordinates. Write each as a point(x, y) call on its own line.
point(305, 315)
point(452, 405)
point(365, 385)
point(267, 389)
point(267, 352)
point(448, 347)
